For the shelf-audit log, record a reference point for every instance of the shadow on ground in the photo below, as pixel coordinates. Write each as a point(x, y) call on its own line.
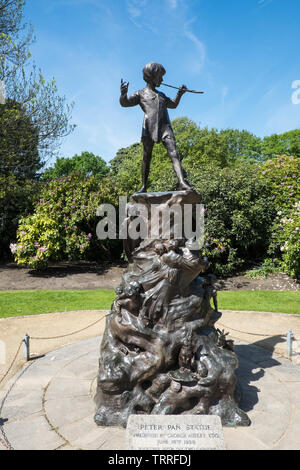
point(254, 359)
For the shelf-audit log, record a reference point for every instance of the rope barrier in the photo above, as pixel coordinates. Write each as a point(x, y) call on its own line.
point(247, 332)
point(14, 359)
point(46, 338)
point(70, 334)
point(92, 324)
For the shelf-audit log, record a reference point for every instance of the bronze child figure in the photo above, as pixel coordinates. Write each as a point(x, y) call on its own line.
point(156, 126)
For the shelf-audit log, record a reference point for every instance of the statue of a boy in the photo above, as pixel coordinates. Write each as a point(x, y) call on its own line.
point(156, 126)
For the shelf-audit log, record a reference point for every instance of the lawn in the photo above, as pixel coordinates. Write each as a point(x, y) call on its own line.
point(32, 302)
point(260, 301)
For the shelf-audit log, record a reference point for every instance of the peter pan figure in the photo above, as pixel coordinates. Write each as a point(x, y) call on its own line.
point(157, 126)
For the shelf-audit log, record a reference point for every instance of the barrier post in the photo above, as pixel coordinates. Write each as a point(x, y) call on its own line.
point(289, 343)
point(26, 341)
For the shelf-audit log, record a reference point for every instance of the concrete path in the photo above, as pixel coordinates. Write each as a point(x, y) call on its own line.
point(49, 404)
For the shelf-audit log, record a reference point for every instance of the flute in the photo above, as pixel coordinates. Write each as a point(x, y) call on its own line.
point(186, 89)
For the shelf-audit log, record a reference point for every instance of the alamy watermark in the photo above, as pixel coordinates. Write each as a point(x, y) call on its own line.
point(296, 94)
point(2, 353)
point(136, 221)
point(2, 92)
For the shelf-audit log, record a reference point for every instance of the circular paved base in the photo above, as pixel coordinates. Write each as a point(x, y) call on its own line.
point(49, 404)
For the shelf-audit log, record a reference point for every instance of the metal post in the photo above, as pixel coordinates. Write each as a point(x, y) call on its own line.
point(289, 343)
point(26, 341)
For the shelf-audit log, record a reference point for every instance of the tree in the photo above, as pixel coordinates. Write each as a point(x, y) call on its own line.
point(28, 93)
point(287, 143)
point(15, 37)
point(18, 143)
point(17, 198)
point(241, 146)
point(87, 164)
point(196, 147)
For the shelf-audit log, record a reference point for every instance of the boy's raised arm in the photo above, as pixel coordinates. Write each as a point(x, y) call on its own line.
point(126, 101)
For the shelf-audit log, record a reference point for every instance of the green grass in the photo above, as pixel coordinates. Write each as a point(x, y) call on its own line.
point(32, 302)
point(260, 301)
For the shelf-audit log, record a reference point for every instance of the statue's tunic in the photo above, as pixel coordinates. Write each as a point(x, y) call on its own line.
point(156, 125)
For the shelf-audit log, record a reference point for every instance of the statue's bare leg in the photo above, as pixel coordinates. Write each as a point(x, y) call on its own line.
point(148, 147)
point(170, 145)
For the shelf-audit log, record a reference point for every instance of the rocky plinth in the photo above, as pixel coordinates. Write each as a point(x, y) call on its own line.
point(161, 353)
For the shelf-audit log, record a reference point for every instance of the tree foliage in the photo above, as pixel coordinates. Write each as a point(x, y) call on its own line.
point(87, 164)
point(19, 142)
point(27, 93)
point(15, 38)
point(239, 213)
point(17, 198)
point(63, 223)
point(196, 147)
point(282, 175)
point(287, 143)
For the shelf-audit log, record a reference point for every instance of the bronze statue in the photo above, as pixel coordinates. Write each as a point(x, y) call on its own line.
point(157, 126)
point(160, 352)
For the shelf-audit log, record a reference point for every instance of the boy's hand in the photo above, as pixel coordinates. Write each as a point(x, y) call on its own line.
point(182, 89)
point(124, 87)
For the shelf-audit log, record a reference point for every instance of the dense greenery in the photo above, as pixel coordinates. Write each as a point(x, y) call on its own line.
point(17, 198)
point(87, 164)
point(33, 119)
point(282, 175)
point(250, 200)
point(19, 143)
point(238, 218)
point(63, 225)
point(243, 190)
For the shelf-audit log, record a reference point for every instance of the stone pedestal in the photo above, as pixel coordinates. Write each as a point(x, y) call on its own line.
point(161, 353)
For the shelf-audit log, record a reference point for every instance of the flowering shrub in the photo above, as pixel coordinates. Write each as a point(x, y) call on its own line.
point(63, 225)
point(288, 236)
point(282, 174)
point(38, 240)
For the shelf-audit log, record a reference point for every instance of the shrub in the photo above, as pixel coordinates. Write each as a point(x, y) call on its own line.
point(17, 198)
point(38, 240)
point(64, 222)
point(288, 237)
point(282, 175)
point(238, 217)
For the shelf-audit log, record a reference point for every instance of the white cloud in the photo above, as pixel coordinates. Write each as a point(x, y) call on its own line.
point(264, 3)
point(200, 47)
point(135, 8)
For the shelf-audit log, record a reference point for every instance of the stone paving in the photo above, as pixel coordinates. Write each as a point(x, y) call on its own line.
point(49, 404)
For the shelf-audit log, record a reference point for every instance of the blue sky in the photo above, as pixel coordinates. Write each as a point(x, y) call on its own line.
point(243, 53)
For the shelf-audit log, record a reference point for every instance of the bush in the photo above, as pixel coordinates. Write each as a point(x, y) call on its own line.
point(288, 237)
point(64, 222)
point(266, 268)
point(38, 240)
point(238, 218)
point(17, 198)
point(282, 174)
